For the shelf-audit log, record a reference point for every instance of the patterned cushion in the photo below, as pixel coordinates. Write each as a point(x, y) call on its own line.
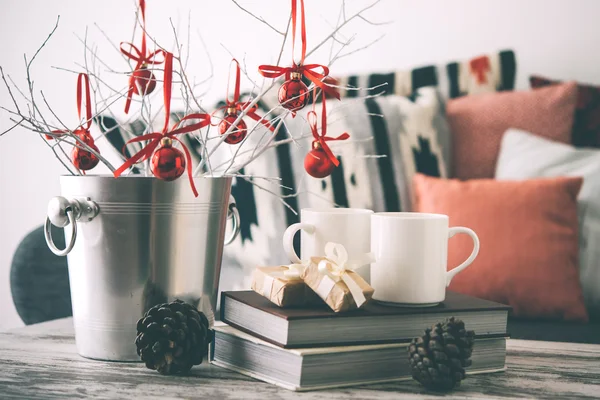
point(586, 128)
point(411, 133)
point(482, 74)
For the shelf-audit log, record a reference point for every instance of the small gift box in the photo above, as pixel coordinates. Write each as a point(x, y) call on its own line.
point(284, 286)
point(332, 278)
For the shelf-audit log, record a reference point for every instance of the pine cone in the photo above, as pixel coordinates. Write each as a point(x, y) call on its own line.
point(172, 337)
point(438, 358)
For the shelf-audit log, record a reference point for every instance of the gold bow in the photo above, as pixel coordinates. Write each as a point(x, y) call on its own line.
point(336, 265)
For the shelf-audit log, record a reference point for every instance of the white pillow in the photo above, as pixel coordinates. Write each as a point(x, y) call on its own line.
point(523, 155)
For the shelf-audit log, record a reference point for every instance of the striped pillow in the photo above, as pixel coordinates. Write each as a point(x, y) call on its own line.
point(487, 73)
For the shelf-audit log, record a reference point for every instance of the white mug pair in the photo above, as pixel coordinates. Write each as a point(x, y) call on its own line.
point(410, 250)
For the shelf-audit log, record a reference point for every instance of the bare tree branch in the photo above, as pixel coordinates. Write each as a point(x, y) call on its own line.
point(374, 23)
point(44, 42)
point(337, 57)
point(29, 115)
point(346, 21)
point(13, 127)
point(261, 19)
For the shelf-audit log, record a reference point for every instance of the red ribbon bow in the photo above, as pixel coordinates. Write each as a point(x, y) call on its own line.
point(322, 138)
point(156, 137)
point(81, 79)
point(240, 106)
point(275, 71)
point(139, 55)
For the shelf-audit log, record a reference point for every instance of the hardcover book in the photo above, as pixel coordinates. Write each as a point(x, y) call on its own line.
point(328, 367)
point(372, 324)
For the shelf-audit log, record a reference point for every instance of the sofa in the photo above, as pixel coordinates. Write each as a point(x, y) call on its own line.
point(399, 115)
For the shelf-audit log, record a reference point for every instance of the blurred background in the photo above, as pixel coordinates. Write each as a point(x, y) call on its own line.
point(557, 38)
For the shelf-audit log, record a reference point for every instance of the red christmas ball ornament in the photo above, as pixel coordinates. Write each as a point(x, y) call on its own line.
point(238, 133)
point(294, 94)
point(317, 164)
point(144, 81)
point(83, 159)
point(168, 163)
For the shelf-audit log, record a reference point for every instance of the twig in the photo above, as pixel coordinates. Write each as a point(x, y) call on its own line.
point(13, 127)
point(210, 62)
point(346, 21)
point(285, 36)
point(10, 91)
point(44, 42)
point(259, 18)
point(277, 195)
point(18, 89)
point(374, 23)
point(337, 57)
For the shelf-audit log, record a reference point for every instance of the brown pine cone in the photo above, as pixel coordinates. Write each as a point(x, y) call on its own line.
point(173, 337)
point(438, 359)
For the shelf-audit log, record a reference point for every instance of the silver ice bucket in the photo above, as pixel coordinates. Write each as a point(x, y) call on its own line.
point(134, 242)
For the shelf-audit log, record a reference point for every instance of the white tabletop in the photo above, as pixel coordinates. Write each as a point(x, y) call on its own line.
point(40, 361)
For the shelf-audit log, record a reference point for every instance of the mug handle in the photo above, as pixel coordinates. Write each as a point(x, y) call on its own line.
point(461, 229)
point(288, 239)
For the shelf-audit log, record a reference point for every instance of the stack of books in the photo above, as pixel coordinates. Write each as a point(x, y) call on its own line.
point(316, 348)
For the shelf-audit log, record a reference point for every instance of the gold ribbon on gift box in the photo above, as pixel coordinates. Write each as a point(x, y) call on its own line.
point(335, 267)
point(293, 273)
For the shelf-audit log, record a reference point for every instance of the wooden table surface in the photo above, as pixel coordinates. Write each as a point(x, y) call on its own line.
point(40, 361)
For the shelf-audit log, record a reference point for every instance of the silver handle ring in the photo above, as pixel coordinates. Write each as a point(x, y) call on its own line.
point(48, 235)
point(235, 214)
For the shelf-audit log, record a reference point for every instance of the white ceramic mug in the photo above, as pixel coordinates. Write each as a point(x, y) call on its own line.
point(411, 256)
point(350, 227)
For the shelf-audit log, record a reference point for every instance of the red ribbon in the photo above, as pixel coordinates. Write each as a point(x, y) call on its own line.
point(82, 79)
point(156, 137)
point(275, 71)
point(140, 56)
point(239, 106)
point(236, 91)
point(322, 138)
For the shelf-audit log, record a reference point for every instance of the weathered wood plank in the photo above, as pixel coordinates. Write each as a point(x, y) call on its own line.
point(41, 361)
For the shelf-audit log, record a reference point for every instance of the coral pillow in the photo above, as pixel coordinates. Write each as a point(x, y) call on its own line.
point(586, 129)
point(478, 123)
point(529, 241)
point(525, 156)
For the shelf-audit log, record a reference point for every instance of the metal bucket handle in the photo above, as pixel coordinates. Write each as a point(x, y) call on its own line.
point(63, 212)
point(235, 214)
point(50, 241)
